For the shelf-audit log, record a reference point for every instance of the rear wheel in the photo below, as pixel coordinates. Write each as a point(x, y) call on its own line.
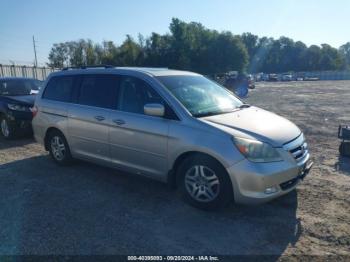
point(204, 183)
point(7, 130)
point(58, 148)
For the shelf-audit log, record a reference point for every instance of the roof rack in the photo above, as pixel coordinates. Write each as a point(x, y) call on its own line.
point(86, 67)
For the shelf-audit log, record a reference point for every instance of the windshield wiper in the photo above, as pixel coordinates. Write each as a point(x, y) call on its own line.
point(213, 113)
point(205, 114)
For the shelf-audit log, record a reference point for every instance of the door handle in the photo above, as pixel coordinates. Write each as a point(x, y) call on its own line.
point(119, 122)
point(99, 118)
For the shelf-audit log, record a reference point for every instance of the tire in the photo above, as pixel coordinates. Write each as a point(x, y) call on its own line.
point(7, 130)
point(341, 148)
point(59, 148)
point(344, 149)
point(194, 176)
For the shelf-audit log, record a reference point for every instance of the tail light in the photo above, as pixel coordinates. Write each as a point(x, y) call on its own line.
point(34, 110)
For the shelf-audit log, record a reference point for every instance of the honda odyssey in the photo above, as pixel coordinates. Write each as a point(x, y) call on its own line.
point(174, 126)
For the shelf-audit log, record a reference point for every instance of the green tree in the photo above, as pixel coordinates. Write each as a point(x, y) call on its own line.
point(257, 62)
point(331, 58)
point(129, 53)
point(297, 56)
point(251, 43)
point(76, 52)
point(157, 50)
point(108, 53)
point(191, 46)
point(226, 53)
point(58, 56)
point(345, 52)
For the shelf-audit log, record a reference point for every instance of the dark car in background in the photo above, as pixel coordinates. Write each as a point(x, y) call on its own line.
point(239, 84)
point(17, 96)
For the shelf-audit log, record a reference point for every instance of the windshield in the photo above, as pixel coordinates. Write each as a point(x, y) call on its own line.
point(200, 96)
point(18, 87)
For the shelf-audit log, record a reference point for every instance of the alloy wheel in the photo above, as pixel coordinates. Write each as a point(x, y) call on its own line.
point(58, 148)
point(202, 183)
point(5, 130)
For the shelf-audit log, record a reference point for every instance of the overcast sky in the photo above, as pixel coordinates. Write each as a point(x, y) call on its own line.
point(311, 21)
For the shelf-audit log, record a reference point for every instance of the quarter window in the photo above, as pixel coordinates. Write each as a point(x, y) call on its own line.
point(59, 89)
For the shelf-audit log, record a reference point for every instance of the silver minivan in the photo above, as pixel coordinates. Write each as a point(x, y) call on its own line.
point(174, 126)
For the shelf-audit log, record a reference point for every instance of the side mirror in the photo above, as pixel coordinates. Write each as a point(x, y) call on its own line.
point(154, 109)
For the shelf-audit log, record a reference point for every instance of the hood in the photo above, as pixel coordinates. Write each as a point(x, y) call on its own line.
point(258, 123)
point(27, 99)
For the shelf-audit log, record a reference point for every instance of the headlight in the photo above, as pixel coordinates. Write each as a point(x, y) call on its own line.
point(257, 151)
point(16, 107)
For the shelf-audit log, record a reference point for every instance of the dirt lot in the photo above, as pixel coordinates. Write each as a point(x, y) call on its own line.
point(86, 209)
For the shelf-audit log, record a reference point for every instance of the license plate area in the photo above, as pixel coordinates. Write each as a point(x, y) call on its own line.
point(305, 169)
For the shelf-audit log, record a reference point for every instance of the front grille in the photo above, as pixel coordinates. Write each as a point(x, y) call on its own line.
point(299, 152)
point(298, 148)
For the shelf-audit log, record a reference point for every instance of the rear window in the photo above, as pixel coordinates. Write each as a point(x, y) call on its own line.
point(18, 87)
point(59, 89)
point(98, 91)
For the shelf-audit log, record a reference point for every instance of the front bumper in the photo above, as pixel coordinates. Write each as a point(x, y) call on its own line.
point(21, 121)
point(255, 183)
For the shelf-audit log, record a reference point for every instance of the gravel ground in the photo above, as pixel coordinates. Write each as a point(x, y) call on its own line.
point(87, 209)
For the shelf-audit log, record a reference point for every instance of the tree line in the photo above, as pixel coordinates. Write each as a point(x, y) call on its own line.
point(191, 46)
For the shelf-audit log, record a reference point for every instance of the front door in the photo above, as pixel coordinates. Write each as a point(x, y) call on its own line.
point(138, 141)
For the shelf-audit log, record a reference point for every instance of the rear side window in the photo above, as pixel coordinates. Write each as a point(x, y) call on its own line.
point(59, 89)
point(98, 91)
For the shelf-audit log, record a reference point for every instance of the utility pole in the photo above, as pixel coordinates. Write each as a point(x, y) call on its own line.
point(36, 60)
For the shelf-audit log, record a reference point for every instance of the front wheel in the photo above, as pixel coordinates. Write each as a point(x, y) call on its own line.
point(59, 149)
point(204, 183)
point(7, 130)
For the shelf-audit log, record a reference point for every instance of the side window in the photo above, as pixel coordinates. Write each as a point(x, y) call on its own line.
point(134, 94)
point(59, 89)
point(98, 91)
